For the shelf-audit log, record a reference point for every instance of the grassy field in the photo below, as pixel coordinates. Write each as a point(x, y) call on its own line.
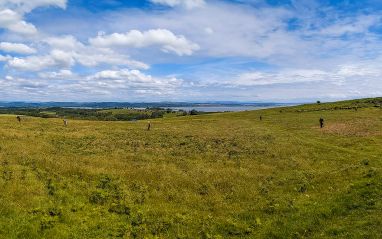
point(225, 175)
point(89, 114)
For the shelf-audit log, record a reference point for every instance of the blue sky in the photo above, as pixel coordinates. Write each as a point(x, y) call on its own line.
point(190, 50)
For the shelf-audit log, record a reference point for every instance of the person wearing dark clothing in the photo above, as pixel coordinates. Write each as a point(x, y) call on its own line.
point(321, 122)
point(261, 117)
point(18, 118)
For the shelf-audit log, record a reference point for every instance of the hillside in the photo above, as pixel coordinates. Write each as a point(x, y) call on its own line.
point(224, 175)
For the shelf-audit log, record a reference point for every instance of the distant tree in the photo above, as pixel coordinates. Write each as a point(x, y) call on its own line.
point(122, 117)
point(182, 113)
point(318, 102)
point(193, 112)
point(157, 114)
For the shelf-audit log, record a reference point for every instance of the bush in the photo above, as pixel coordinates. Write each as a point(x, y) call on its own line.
point(193, 112)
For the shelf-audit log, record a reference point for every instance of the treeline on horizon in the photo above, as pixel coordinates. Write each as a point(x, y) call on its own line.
point(115, 114)
point(104, 105)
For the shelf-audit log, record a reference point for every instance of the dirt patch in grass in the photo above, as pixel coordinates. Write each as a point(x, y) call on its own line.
point(353, 128)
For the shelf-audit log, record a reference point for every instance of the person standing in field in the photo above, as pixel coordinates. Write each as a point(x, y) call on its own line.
point(321, 122)
point(65, 122)
point(18, 118)
point(148, 126)
point(261, 117)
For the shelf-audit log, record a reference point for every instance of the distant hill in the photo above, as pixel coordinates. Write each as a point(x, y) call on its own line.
point(339, 105)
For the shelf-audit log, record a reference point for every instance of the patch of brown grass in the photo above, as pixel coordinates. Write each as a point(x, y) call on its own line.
point(352, 128)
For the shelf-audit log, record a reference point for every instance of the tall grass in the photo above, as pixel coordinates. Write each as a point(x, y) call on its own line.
point(226, 175)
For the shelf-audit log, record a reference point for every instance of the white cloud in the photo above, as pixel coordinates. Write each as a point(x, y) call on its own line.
point(283, 77)
point(16, 47)
point(13, 21)
point(29, 5)
point(185, 3)
point(5, 58)
point(56, 58)
point(104, 85)
point(133, 78)
point(32, 63)
point(62, 74)
point(369, 69)
point(91, 56)
point(360, 24)
point(346, 74)
point(12, 14)
point(68, 51)
point(168, 41)
point(62, 58)
point(59, 58)
point(66, 42)
point(133, 83)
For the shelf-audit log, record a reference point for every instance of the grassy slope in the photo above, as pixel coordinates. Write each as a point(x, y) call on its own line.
point(210, 176)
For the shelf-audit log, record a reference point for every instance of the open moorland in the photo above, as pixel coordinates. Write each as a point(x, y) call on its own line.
point(223, 175)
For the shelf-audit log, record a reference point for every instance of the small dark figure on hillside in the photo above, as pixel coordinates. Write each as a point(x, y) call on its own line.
point(65, 122)
point(18, 118)
point(321, 123)
point(261, 117)
point(149, 126)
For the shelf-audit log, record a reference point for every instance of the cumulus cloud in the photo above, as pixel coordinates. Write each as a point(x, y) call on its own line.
point(13, 21)
point(56, 58)
point(59, 58)
point(184, 3)
point(62, 74)
point(104, 85)
point(33, 63)
point(12, 13)
point(29, 5)
point(136, 79)
point(168, 41)
point(91, 56)
point(67, 42)
point(66, 51)
point(16, 47)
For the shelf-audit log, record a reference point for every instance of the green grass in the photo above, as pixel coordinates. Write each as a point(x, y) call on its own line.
point(225, 175)
point(148, 112)
point(126, 111)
